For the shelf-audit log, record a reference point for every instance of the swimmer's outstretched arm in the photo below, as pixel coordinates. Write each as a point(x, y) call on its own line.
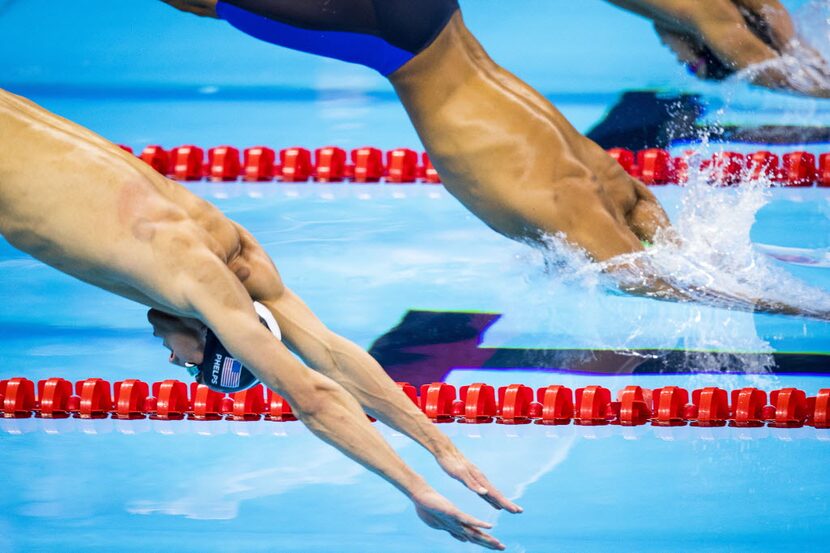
point(217, 298)
point(351, 366)
point(511, 157)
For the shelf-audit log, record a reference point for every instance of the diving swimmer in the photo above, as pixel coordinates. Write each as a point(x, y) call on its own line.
point(501, 148)
point(103, 216)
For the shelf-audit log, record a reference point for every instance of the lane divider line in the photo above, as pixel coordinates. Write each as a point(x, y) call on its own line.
point(478, 403)
point(653, 166)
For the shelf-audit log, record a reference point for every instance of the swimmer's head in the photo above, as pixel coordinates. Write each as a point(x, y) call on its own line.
point(185, 338)
point(194, 346)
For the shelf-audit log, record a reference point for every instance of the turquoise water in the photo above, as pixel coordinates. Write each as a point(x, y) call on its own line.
point(365, 256)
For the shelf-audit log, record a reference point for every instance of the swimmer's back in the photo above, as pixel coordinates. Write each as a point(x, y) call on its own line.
point(68, 194)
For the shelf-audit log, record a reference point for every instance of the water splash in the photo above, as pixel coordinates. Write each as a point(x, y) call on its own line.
point(712, 259)
point(813, 22)
point(803, 62)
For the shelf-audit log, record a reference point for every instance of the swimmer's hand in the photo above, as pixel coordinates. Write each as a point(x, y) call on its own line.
point(718, 37)
point(437, 512)
point(457, 466)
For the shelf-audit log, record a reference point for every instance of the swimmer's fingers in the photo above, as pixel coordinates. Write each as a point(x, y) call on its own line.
point(457, 466)
point(803, 67)
point(737, 46)
point(726, 33)
point(437, 512)
point(647, 218)
point(488, 492)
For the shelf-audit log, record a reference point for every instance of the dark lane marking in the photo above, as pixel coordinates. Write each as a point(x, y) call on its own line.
point(426, 345)
point(646, 119)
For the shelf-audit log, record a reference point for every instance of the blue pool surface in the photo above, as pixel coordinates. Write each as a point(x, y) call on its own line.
point(365, 257)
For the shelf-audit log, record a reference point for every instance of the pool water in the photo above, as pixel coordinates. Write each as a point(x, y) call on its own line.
point(375, 261)
point(364, 257)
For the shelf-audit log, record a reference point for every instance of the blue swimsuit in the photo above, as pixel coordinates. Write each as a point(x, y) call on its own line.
point(381, 34)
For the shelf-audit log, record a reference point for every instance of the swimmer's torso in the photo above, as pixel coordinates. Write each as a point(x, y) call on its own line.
point(381, 34)
point(483, 129)
point(109, 222)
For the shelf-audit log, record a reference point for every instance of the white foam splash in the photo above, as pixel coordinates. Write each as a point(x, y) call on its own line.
point(813, 22)
point(714, 260)
point(804, 61)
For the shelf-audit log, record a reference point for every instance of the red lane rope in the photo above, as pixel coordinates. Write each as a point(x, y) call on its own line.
point(653, 166)
point(94, 398)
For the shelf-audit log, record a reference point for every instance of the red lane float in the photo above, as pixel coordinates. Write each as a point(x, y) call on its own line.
point(710, 407)
point(186, 163)
point(156, 157)
point(368, 164)
point(248, 405)
point(277, 408)
point(258, 164)
point(296, 164)
point(728, 168)
point(410, 392)
point(330, 164)
point(799, 169)
point(437, 401)
point(790, 408)
point(824, 170)
point(18, 397)
point(624, 157)
point(171, 402)
point(764, 164)
point(748, 407)
point(223, 163)
point(53, 395)
point(593, 406)
point(632, 409)
point(557, 405)
point(669, 406)
point(206, 403)
point(130, 399)
point(476, 404)
point(819, 415)
point(515, 404)
point(653, 166)
point(95, 398)
point(401, 165)
point(431, 175)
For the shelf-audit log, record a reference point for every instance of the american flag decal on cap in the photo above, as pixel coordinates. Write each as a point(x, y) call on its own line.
point(231, 371)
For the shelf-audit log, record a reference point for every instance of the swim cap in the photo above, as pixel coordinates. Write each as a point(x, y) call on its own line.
point(218, 370)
